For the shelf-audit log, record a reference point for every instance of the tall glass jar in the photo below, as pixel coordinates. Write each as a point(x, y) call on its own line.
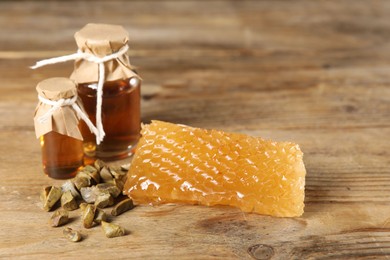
point(120, 91)
point(120, 118)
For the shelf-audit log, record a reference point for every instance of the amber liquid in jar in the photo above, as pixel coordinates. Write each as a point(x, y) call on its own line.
point(120, 118)
point(62, 155)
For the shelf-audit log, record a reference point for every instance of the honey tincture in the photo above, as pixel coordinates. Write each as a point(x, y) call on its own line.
point(112, 102)
point(62, 155)
point(121, 119)
point(56, 123)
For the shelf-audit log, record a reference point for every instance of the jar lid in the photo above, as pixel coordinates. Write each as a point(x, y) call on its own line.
point(57, 88)
point(101, 39)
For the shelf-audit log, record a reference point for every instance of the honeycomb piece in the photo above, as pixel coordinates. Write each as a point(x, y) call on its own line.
point(181, 164)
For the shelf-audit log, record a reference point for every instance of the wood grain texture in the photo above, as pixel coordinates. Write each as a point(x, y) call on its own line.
point(312, 72)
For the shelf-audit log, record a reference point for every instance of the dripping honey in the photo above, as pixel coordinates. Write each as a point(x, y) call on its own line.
point(120, 118)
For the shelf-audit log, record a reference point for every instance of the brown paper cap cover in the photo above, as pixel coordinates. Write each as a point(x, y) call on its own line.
point(57, 88)
point(102, 40)
point(64, 120)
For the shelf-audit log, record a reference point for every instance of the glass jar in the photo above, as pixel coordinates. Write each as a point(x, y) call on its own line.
point(110, 91)
point(62, 156)
point(57, 126)
point(120, 118)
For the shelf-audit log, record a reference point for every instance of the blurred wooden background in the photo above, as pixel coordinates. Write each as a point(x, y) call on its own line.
point(312, 72)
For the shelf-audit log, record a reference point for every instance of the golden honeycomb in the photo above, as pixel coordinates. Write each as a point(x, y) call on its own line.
point(182, 164)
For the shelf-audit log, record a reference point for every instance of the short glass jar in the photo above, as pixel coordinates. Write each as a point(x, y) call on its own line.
point(57, 127)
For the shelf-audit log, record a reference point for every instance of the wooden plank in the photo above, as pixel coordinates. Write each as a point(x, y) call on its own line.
point(185, 24)
point(311, 72)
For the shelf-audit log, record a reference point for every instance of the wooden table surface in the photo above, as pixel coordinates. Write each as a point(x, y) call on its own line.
point(312, 72)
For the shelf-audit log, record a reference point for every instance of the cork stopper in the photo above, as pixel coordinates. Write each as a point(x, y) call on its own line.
point(101, 39)
point(57, 88)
